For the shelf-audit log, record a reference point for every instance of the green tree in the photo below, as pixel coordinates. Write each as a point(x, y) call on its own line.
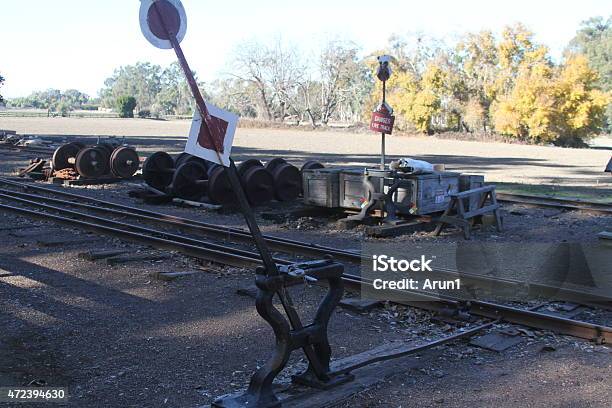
point(125, 106)
point(74, 99)
point(161, 91)
point(478, 62)
point(174, 97)
point(552, 104)
point(594, 40)
point(342, 75)
point(143, 81)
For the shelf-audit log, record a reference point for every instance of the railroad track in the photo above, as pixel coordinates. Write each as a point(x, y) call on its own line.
point(27, 149)
point(556, 202)
point(63, 211)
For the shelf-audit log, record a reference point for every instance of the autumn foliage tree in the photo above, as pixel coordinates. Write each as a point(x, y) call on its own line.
point(507, 85)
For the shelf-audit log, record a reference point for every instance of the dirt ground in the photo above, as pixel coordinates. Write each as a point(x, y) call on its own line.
point(117, 337)
point(499, 162)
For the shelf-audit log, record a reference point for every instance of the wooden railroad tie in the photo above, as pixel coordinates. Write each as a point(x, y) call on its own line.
point(460, 213)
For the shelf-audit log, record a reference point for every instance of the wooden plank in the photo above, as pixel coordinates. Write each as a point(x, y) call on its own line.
point(170, 276)
point(454, 220)
point(136, 258)
point(51, 241)
point(468, 193)
point(35, 232)
point(95, 255)
point(365, 378)
point(391, 230)
point(480, 211)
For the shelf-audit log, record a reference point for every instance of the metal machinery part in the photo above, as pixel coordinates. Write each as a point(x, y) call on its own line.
point(257, 181)
point(377, 199)
point(278, 179)
point(244, 166)
point(158, 170)
point(190, 181)
point(219, 188)
point(186, 158)
point(96, 161)
point(107, 147)
point(287, 179)
point(124, 162)
point(64, 156)
point(313, 338)
point(92, 162)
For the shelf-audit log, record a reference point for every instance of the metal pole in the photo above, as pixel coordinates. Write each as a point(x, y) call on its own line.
point(382, 147)
point(249, 217)
point(266, 257)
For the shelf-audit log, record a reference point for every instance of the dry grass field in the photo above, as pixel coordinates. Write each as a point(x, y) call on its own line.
point(552, 168)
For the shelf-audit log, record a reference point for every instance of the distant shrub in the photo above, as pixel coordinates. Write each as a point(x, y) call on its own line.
point(145, 113)
point(89, 107)
point(125, 106)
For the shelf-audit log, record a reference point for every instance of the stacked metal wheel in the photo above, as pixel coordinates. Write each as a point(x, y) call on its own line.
point(97, 161)
point(192, 178)
point(186, 177)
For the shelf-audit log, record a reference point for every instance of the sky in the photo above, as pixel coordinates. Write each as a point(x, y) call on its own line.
point(78, 43)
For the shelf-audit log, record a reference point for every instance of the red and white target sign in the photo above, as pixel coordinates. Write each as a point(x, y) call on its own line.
point(200, 141)
point(160, 19)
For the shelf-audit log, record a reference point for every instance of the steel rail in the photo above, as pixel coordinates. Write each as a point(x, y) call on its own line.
point(27, 149)
point(166, 236)
point(219, 231)
point(303, 248)
point(232, 256)
point(557, 202)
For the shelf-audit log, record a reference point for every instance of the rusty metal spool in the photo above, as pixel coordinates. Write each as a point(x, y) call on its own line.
point(124, 162)
point(246, 165)
point(92, 162)
point(219, 187)
point(188, 158)
point(258, 185)
point(272, 164)
point(311, 165)
point(287, 180)
point(64, 156)
point(190, 181)
point(178, 159)
point(158, 170)
point(107, 147)
point(257, 181)
point(79, 144)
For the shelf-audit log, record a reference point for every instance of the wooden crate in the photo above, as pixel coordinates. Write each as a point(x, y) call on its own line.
point(321, 187)
point(352, 191)
point(422, 194)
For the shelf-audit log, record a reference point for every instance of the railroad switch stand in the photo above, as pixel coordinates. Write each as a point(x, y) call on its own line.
point(312, 338)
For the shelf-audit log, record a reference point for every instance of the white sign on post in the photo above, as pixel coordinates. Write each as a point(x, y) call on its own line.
point(200, 143)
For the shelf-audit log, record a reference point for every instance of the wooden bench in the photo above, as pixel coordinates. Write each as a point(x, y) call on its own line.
point(456, 213)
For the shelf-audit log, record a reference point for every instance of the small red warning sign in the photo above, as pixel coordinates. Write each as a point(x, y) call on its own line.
point(382, 122)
